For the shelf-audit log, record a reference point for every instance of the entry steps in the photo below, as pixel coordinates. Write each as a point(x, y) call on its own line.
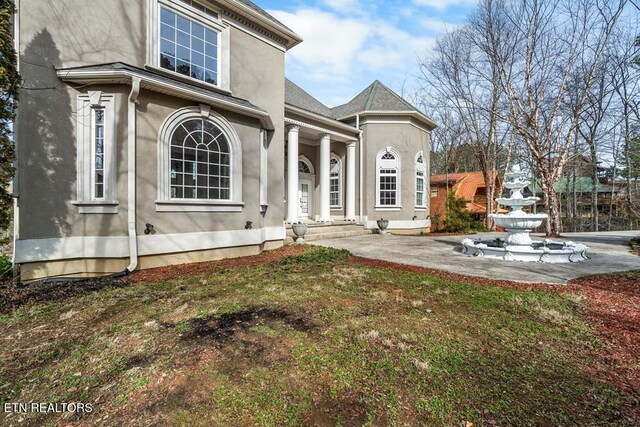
point(325, 231)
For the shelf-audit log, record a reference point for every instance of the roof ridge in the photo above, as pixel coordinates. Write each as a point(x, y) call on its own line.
point(372, 94)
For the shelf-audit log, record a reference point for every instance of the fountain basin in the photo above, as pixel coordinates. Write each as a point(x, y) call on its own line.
point(518, 203)
point(519, 222)
point(547, 251)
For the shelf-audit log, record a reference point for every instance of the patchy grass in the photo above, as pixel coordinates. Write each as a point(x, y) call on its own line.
point(310, 339)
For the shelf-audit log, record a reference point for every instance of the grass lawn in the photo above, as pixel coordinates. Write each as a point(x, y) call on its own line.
point(309, 339)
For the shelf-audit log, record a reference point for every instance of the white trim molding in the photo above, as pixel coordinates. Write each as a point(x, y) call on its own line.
point(40, 250)
point(320, 130)
point(87, 105)
point(165, 203)
point(395, 164)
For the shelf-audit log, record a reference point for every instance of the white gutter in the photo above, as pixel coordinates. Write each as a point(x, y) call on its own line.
point(414, 114)
point(317, 117)
point(131, 174)
point(15, 189)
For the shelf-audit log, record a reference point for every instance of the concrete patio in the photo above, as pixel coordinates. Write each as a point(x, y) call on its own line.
point(608, 252)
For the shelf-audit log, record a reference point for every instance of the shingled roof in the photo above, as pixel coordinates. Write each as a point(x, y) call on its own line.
point(376, 97)
point(295, 96)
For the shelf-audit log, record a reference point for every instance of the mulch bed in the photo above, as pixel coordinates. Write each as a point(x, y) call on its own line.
point(178, 271)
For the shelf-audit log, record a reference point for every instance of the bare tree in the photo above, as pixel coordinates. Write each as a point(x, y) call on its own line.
point(465, 79)
point(548, 43)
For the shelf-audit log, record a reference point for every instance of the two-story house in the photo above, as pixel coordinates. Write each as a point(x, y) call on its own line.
point(160, 132)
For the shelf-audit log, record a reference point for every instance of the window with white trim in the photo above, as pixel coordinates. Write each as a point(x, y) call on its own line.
point(96, 153)
point(420, 181)
point(187, 47)
point(189, 39)
point(199, 163)
point(388, 178)
point(334, 182)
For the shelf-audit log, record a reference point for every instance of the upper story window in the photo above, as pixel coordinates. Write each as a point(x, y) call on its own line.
point(388, 178)
point(188, 47)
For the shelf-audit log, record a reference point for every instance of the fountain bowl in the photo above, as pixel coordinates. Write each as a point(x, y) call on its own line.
point(515, 222)
point(525, 201)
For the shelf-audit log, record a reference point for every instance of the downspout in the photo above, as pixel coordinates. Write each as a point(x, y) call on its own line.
point(131, 175)
point(361, 164)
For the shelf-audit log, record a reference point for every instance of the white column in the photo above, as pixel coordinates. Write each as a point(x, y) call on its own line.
point(350, 200)
point(325, 161)
point(293, 204)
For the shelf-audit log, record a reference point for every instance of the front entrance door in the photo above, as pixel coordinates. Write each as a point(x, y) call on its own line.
point(304, 196)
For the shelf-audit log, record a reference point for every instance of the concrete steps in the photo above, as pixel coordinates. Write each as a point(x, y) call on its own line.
point(335, 230)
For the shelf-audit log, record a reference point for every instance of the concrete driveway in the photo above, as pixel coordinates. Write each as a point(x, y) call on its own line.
point(607, 251)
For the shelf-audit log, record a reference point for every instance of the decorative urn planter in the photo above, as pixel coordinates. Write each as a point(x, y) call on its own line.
point(382, 225)
point(299, 229)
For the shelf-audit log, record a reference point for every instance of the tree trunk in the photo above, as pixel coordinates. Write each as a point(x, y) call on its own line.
point(551, 201)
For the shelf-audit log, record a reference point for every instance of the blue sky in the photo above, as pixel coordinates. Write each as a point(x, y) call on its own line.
point(350, 43)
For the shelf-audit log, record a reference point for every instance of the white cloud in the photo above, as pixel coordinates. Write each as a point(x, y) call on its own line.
point(437, 25)
point(443, 4)
point(329, 43)
point(345, 6)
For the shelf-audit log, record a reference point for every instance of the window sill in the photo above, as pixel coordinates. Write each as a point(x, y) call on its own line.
point(97, 206)
point(336, 208)
point(388, 208)
point(420, 208)
point(186, 79)
point(197, 206)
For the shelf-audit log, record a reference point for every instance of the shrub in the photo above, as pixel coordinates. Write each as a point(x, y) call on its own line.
point(5, 264)
point(317, 256)
point(458, 217)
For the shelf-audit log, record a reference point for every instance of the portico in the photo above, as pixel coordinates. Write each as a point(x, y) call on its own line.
point(321, 170)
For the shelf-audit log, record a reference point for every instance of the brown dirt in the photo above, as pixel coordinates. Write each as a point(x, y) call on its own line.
point(13, 297)
point(223, 328)
point(178, 271)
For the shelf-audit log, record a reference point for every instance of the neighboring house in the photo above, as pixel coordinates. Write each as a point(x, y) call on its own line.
point(164, 131)
point(468, 185)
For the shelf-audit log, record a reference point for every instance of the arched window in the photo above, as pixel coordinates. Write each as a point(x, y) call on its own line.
point(335, 181)
point(388, 178)
point(420, 180)
point(200, 161)
point(303, 167)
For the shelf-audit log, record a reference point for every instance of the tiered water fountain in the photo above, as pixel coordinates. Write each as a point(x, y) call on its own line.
point(518, 245)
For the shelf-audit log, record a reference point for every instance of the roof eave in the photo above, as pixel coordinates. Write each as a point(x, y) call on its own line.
point(326, 120)
point(293, 38)
point(431, 125)
point(83, 76)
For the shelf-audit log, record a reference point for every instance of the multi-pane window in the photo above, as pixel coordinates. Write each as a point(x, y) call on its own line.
point(419, 188)
point(420, 183)
point(388, 187)
point(388, 178)
point(200, 162)
point(98, 154)
point(334, 182)
point(188, 47)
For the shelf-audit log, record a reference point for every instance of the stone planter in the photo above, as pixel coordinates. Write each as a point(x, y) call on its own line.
point(299, 230)
point(382, 225)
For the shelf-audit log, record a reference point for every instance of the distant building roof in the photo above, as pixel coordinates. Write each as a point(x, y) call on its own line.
point(441, 179)
point(565, 185)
